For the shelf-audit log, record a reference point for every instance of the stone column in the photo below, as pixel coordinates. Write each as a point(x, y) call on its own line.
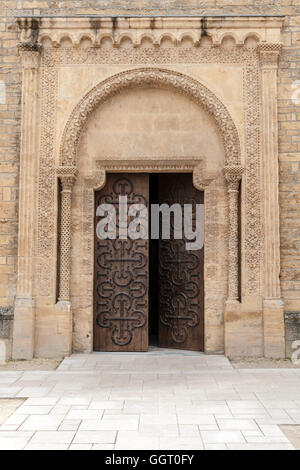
point(274, 335)
point(233, 321)
point(23, 334)
point(67, 177)
point(233, 175)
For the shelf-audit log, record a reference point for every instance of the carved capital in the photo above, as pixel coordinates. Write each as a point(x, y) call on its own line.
point(233, 175)
point(29, 29)
point(67, 176)
point(29, 46)
point(269, 53)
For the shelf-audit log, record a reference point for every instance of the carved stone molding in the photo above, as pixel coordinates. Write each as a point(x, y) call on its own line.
point(155, 30)
point(95, 180)
point(156, 78)
point(145, 164)
point(202, 178)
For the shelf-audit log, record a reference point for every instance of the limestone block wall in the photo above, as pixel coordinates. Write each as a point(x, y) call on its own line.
point(288, 109)
point(289, 162)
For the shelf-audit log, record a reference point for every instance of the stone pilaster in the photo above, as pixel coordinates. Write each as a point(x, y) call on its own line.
point(23, 335)
point(274, 334)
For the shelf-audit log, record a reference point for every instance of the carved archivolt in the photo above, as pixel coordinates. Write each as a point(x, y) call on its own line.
point(155, 78)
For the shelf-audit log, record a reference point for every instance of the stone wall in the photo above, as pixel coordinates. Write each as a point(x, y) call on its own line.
point(289, 116)
point(292, 332)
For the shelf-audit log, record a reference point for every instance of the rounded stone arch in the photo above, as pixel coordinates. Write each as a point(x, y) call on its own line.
point(154, 78)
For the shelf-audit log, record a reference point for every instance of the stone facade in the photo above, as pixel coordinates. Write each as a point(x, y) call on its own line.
point(228, 76)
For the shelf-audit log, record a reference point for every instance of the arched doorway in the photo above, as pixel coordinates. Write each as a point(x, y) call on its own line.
point(183, 135)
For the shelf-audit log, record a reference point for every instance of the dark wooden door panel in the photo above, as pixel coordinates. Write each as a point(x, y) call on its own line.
point(121, 274)
point(181, 285)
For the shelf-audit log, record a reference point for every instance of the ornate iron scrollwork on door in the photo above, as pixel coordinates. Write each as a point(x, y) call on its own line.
point(179, 292)
point(180, 273)
point(121, 272)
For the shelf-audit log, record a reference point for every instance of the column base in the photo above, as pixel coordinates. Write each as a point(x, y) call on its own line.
point(64, 326)
point(23, 330)
point(274, 329)
point(243, 329)
point(53, 330)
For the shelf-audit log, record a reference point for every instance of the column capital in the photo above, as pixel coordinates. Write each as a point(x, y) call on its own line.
point(233, 175)
point(268, 54)
point(67, 176)
point(30, 55)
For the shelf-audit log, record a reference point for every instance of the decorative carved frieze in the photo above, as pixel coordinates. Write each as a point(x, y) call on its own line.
point(155, 30)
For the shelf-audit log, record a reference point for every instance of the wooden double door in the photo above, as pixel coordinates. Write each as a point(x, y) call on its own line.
point(147, 289)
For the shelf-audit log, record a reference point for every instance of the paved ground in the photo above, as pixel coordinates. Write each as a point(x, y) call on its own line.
point(34, 364)
point(8, 406)
point(158, 400)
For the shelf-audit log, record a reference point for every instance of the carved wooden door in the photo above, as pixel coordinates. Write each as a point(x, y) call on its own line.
point(181, 286)
point(121, 274)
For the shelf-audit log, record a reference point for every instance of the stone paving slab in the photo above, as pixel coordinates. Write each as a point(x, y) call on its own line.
point(157, 400)
point(293, 434)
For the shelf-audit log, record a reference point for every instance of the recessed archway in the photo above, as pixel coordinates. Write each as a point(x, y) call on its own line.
point(154, 78)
